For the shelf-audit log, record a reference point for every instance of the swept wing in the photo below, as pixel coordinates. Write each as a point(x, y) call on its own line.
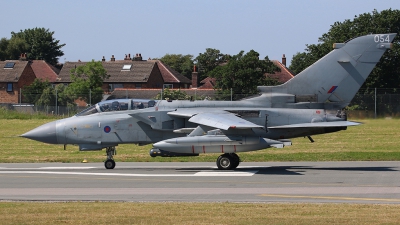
point(217, 118)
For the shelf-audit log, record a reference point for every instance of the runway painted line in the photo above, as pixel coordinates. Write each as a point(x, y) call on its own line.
point(205, 174)
point(226, 173)
point(66, 168)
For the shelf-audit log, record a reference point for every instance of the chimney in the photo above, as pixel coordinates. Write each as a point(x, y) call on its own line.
point(103, 59)
point(138, 57)
point(195, 77)
point(284, 60)
point(112, 58)
point(22, 57)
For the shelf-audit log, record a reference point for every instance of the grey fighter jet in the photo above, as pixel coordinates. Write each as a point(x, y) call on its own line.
point(311, 103)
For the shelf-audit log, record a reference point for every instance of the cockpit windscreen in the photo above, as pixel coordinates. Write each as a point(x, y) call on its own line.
point(118, 105)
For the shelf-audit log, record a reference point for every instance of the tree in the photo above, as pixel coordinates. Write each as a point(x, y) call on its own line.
point(209, 60)
point(33, 92)
point(243, 73)
point(3, 49)
point(183, 64)
point(386, 73)
point(43, 93)
point(87, 81)
point(38, 44)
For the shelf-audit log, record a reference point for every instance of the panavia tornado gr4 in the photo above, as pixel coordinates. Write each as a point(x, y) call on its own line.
point(311, 103)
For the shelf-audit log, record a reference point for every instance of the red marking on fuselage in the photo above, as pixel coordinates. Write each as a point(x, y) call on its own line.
point(193, 149)
point(204, 149)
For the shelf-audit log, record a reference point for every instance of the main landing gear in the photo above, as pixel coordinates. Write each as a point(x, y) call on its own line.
point(228, 161)
point(110, 163)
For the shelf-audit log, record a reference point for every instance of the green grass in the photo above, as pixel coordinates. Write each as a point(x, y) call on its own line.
point(375, 140)
point(195, 213)
point(11, 114)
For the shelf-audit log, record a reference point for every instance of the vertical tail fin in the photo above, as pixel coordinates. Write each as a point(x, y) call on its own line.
point(339, 75)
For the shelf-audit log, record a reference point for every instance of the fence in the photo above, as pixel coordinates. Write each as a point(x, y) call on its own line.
point(369, 104)
point(375, 103)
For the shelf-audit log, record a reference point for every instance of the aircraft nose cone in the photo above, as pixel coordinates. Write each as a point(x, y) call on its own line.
point(45, 133)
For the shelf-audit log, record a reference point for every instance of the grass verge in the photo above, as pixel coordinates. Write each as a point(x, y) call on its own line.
point(195, 213)
point(375, 140)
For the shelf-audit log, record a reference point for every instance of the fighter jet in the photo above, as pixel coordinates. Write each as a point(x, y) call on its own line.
point(311, 103)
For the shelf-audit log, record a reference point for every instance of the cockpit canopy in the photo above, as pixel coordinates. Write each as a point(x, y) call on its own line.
point(118, 105)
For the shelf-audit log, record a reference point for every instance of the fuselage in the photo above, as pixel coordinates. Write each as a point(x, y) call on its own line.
point(96, 128)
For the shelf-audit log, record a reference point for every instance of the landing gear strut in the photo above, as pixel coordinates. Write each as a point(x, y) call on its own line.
point(228, 161)
point(110, 163)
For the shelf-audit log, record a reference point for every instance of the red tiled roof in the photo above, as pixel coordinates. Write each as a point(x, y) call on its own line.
point(282, 76)
point(208, 79)
point(170, 75)
point(44, 71)
point(207, 83)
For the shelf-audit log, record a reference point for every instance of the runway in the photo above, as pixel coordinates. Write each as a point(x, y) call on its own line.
point(338, 182)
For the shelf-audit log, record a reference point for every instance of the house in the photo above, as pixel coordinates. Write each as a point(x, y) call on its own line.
point(169, 75)
point(14, 75)
point(285, 73)
point(132, 74)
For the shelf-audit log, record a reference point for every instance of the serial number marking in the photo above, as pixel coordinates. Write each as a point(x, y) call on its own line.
point(381, 38)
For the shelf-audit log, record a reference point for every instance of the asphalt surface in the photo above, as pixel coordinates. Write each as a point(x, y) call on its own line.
point(337, 182)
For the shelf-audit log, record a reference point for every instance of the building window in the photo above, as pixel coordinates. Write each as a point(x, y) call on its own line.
point(169, 86)
point(138, 86)
point(111, 87)
point(127, 67)
point(9, 87)
point(9, 65)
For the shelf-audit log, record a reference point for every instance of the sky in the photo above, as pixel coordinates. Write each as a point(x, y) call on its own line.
point(154, 28)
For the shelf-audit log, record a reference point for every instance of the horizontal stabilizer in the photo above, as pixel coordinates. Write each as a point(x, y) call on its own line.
point(319, 124)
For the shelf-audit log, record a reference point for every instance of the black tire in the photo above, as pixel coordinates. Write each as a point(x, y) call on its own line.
point(109, 164)
point(236, 160)
point(225, 162)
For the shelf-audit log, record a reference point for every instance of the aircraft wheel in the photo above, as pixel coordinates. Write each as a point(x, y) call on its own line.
point(226, 162)
point(109, 164)
point(236, 160)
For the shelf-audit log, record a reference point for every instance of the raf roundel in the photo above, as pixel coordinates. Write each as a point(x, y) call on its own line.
point(107, 129)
